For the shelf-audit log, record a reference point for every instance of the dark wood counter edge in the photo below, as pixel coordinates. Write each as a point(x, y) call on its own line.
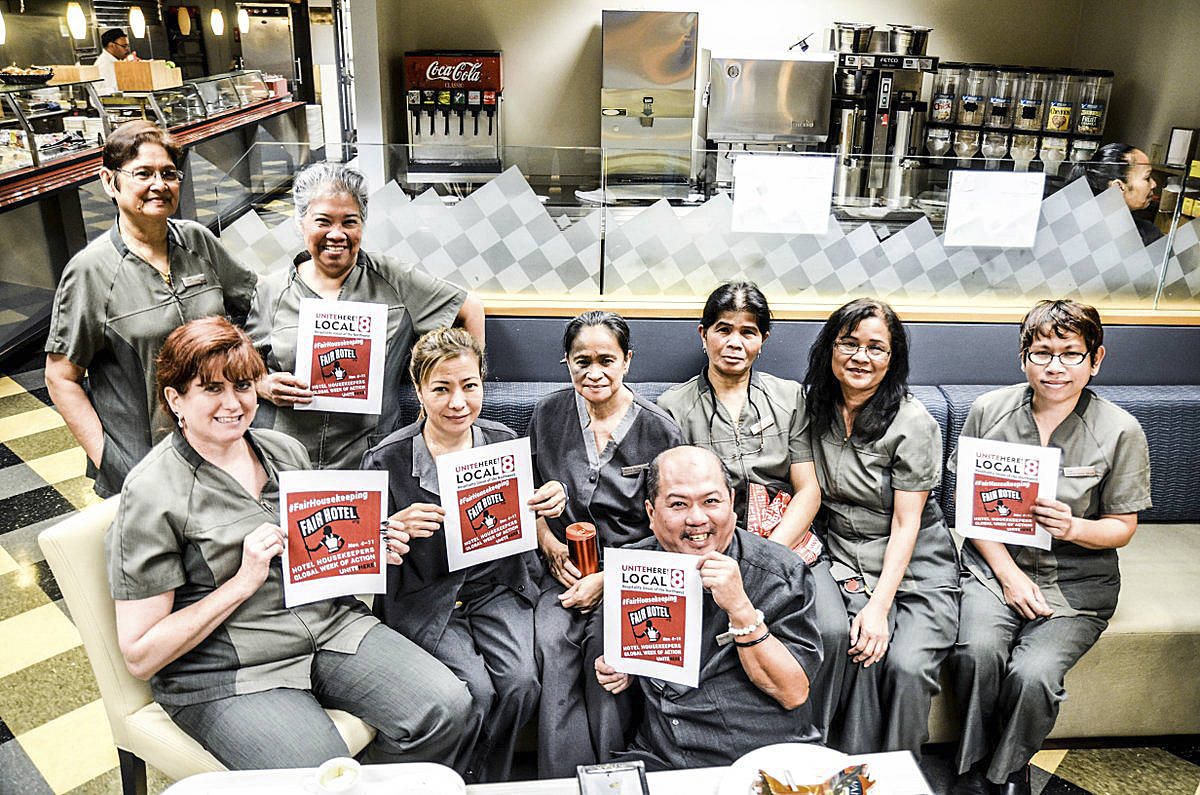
point(566, 306)
point(26, 185)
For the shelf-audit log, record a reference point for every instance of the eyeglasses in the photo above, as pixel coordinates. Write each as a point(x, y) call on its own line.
point(875, 352)
point(146, 176)
point(1068, 359)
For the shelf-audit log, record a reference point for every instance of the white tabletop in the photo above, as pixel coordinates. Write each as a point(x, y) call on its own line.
point(895, 773)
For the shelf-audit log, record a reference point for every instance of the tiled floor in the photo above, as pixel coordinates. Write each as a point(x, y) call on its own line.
point(54, 737)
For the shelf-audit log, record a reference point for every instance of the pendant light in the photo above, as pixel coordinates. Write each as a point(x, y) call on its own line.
point(137, 22)
point(3, 30)
point(76, 21)
point(243, 17)
point(216, 21)
point(185, 21)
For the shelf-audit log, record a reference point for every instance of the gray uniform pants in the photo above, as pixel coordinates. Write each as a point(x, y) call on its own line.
point(488, 643)
point(579, 722)
point(825, 685)
point(1008, 676)
point(886, 707)
point(418, 707)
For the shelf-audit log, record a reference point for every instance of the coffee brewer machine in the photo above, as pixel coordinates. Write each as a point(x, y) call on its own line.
point(453, 102)
point(764, 105)
point(879, 121)
point(647, 102)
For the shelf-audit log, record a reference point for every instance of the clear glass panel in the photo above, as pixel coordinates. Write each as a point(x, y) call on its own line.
point(181, 105)
point(14, 144)
point(219, 94)
point(62, 118)
point(251, 87)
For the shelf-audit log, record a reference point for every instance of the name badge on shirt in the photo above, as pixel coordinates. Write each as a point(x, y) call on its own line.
point(195, 280)
point(634, 471)
point(1080, 472)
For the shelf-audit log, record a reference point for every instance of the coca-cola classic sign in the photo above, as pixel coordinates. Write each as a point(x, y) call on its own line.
point(453, 70)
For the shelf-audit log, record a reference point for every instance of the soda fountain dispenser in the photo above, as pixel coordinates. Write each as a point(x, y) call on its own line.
point(453, 100)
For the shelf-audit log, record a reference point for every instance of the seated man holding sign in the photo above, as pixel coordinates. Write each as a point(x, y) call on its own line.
point(200, 597)
point(1028, 614)
point(468, 586)
point(758, 637)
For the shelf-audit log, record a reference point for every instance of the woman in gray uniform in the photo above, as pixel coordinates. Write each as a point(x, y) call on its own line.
point(478, 620)
point(597, 439)
point(756, 424)
point(1028, 614)
point(121, 296)
point(199, 592)
point(878, 454)
point(331, 209)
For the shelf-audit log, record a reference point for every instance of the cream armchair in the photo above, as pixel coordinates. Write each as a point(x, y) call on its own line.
point(141, 730)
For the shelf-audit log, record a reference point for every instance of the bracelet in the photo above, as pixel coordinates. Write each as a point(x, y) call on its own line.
point(737, 632)
point(754, 642)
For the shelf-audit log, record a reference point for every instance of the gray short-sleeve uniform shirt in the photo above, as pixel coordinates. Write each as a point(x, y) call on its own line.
point(180, 528)
point(112, 313)
point(1105, 470)
point(417, 302)
point(607, 487)
point(858, 481)
point(771, 435)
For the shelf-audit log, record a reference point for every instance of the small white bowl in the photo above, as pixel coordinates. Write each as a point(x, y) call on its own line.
point(338, 775)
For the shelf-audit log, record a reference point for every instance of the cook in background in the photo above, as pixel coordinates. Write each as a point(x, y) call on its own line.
point(114, 46)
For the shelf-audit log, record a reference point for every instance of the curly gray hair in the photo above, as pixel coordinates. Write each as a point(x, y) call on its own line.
point(324, 178)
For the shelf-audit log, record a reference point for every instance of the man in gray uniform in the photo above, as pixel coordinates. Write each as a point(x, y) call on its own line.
point(758, 591)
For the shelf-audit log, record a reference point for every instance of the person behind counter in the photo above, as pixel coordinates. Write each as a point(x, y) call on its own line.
point(757, 425)
point(479, 620)
point(878, 454)
point(1028, 615)
point(123, 294)
point(1128, 169)
point(199, 594)
point(331, 210)
point(597, 438)
point(750, 690)
point(114, 46)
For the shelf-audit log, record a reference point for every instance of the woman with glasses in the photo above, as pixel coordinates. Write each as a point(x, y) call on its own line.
point(756, 424)
point(1029, 614)
point(878, 455)
point(123, 294)
point(331, 212)
point(597, 438)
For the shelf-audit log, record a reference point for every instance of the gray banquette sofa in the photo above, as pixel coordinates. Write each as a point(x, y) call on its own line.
point(1143, 676)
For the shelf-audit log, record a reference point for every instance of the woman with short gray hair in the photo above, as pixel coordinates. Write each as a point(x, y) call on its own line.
point(331, 210)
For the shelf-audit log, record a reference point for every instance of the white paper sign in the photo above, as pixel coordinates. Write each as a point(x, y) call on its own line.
point(340, 347)
point(334, 543)
point(998, 483)
point(652, 614)
point(486, 492)
point(997, 209)
point(782, 193)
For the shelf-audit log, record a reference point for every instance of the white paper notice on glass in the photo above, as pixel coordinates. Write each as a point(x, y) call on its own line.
point(486, 492)
point(782, 193)
point(340, 347)
point(333, 521)
point(997, 209)
point(652, 614)
point(998, 483)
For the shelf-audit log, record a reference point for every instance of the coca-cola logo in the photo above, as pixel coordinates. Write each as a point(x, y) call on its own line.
point(461, 72)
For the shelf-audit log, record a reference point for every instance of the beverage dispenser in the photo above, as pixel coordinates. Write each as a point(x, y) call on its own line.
point(453, 101)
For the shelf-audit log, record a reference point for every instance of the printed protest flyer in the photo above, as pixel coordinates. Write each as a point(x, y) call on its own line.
point(334, 543)
point(652, 614)
point(486, 491)
point(998, 483)
point(340, 347)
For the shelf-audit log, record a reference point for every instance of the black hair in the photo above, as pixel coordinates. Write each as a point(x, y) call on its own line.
point(609, 320)
point(652, 472)
point(111, 35)
point(1110, 162)
point(737, 297)
point(823, 392)
point(1060, 318)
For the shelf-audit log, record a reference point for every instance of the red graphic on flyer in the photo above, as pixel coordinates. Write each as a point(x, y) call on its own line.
point(1005, 490)
point(331, 533)
point(490, 513)
point(341, 366)
point(653, 622)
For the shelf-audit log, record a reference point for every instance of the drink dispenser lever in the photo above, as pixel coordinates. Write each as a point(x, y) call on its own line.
point(474, 100)
point(489, 106)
